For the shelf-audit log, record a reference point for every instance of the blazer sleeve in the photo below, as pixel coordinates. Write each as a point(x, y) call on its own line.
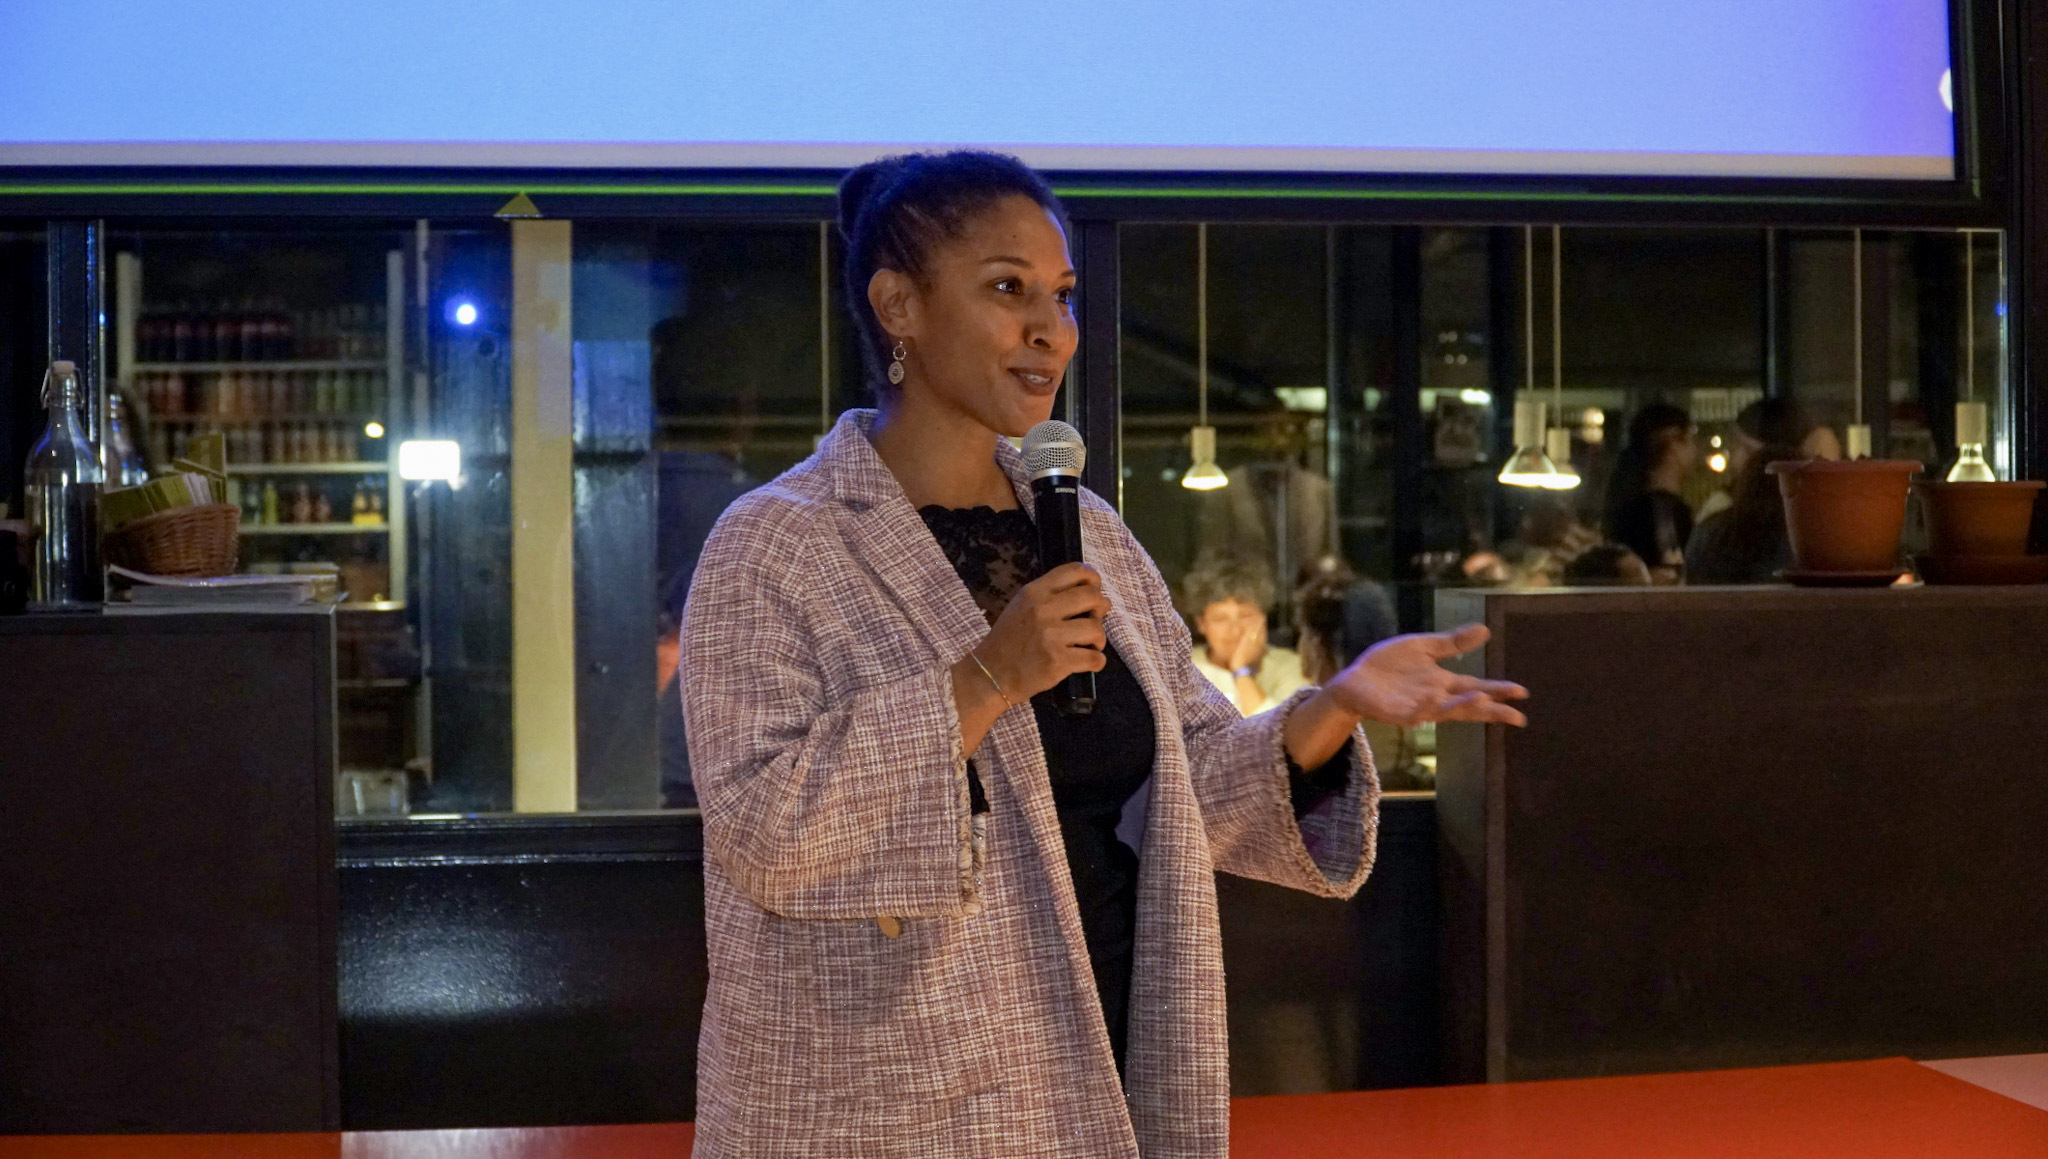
point(1239, 768)
point(847, 806)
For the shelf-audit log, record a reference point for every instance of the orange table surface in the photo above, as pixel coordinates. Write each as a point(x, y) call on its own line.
point(1868, 1110)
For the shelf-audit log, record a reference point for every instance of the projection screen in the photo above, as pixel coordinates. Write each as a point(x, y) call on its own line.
point(1736, 88)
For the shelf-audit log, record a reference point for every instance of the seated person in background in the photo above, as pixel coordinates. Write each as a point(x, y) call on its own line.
point(1748, 543)
point(1605, 565)
point(1770, 422)
point(1644, 511)
point(1549, 536)
point(1338, 615)
point(1228, 595)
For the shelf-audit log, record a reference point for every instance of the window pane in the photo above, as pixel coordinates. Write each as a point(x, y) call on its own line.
point(301, 350)
point(703, 369)
point(1283, 570)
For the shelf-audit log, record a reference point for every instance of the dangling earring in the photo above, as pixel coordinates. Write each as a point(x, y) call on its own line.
point(896, 364)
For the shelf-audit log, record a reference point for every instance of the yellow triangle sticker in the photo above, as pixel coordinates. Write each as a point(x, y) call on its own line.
point(520, 206)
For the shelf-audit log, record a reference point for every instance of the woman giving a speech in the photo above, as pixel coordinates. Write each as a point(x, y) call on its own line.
point(944, 918)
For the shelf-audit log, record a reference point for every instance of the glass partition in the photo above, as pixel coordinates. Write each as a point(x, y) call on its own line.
point(508, 638)
point(1361, 382)
point(312, 353)
point(708, 360)
point(24, 347)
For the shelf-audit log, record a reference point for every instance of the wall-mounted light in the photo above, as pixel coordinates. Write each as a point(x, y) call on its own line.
point(421, 460)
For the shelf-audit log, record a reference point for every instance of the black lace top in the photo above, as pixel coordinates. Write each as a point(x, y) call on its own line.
point(1096, 762)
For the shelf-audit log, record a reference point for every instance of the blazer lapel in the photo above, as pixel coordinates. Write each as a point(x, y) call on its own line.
point(890, 538)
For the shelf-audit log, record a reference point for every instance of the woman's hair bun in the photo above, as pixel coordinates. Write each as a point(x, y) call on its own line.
point(859, 188)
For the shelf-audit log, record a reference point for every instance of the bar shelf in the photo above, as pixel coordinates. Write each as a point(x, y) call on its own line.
point(201, 418)
point(362, 468)
point(316, 528)
point(258, 364)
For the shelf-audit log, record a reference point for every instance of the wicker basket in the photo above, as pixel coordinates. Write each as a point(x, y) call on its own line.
point(187, 541)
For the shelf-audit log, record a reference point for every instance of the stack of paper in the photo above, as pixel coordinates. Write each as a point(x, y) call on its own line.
point(134, 591)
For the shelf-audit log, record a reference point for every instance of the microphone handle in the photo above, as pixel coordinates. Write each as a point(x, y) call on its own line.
point(1058, 499)
point(1075, 695)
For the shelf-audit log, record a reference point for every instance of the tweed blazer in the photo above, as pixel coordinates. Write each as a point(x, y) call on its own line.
point(818, 639)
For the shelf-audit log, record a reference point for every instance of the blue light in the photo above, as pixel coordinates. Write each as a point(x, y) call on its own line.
point(464, 313)
point(2000, 308)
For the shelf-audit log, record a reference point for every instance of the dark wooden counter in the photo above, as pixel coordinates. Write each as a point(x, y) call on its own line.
point(532, 970)
point(167, 873)
point(1746, 827)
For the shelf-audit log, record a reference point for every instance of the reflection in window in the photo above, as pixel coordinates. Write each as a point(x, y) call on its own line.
point(1359, 380)
point(1285, 571)
point(734, 338)
point(294, 347)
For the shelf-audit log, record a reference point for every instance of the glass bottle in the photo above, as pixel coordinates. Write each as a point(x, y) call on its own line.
point(63, 481)
point(124, 465)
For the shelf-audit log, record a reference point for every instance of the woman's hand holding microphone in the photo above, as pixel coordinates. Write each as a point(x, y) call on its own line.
point(1051, 629)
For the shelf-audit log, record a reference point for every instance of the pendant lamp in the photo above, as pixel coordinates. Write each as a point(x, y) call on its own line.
point(1537, 445)
point(824, 334)
point(1973, 418)
point(1203, 474)
point(1856, 444)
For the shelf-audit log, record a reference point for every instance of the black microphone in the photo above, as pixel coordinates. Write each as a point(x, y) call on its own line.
point(1053, 454)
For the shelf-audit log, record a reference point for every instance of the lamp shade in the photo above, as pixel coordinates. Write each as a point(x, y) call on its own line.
point(1203, 474)
point(1529, 466)
point(1557, 447)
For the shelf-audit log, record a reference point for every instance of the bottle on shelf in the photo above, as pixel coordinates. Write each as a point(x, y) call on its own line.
point(227, 335)
point(323, 509)
point(149, 337)
point(62, 484)
point(302, 505)
point(123, 464)
point(184, 343)
point(268, 511)
point(249, 326)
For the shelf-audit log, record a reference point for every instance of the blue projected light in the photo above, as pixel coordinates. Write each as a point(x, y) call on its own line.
point(1755, 88)
point(462, 311)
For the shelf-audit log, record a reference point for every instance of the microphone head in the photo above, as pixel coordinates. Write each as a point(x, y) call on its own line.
point(1053, 448)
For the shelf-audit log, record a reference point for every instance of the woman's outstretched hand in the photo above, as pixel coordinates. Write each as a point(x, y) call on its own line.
point(1400, 681)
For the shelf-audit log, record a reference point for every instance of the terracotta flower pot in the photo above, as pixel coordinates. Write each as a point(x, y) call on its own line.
point(1979, 519)
point(1845, 515)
